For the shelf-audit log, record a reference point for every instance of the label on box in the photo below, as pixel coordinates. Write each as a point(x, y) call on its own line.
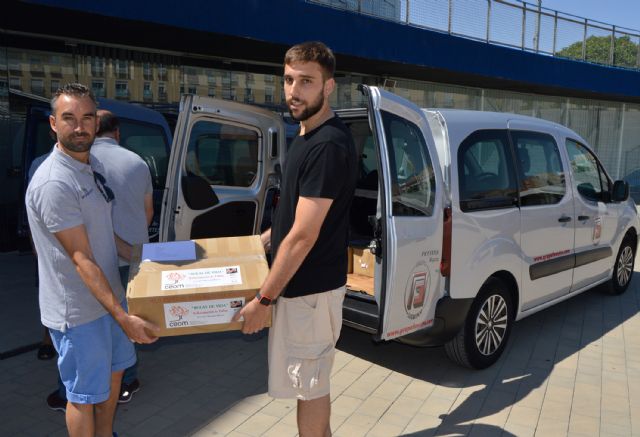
point(201, 278)
point(203, 312)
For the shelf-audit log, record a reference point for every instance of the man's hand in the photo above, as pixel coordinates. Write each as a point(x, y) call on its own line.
point(138, 330)
point(265, 238)
point(255, 317)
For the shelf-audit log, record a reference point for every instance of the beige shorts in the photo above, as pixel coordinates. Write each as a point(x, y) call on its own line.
point(302, 341)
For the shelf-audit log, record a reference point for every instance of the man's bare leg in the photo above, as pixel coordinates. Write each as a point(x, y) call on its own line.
point(106, 411)
point(314, 417)
point(80, 421)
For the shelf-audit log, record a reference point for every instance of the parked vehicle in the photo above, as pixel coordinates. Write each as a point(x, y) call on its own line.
point(633, 179)
point(473, 219)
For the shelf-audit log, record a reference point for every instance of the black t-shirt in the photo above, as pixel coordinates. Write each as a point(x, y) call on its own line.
point(322, 163)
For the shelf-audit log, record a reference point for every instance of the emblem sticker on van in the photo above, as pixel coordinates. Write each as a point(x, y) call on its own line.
point(417, 291)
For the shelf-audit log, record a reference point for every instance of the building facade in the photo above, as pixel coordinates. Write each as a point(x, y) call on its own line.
point(153, 53)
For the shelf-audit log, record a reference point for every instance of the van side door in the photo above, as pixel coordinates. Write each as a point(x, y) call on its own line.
point(546, 214)
point(410, 215)
point(224, 162)
point(596, 216)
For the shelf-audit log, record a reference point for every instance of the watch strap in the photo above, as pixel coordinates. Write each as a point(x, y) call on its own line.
point(264, 300)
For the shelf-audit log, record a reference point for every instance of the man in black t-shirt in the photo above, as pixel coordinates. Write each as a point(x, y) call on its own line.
point(309, 240)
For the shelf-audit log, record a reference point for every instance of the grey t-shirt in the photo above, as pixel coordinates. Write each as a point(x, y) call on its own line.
point(63, 194)
point(129, 178)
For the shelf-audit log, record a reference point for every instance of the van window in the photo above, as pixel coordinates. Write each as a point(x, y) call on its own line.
point(413, 181)
point(223, 154)
point(485, 171)
point(590, 178)
point(542, 180)
point(150, 142)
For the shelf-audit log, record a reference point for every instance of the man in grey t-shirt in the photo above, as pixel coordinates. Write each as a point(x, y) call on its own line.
point(69, 209)
point(129, 178)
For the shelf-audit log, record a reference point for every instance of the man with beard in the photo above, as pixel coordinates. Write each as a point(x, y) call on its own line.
point(309, 240)
point(81, 297)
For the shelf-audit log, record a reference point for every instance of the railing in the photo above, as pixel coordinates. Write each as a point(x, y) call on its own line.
point(511, 23)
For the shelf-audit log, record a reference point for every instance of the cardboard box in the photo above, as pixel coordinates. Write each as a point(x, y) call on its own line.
point(189, 297)
point(364, 261)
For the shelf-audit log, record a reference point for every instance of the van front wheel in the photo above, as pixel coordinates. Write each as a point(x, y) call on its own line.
point(486, 330)
point(623, 268)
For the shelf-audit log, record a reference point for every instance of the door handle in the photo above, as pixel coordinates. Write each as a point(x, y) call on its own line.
point(564, 219)
point(583, 217)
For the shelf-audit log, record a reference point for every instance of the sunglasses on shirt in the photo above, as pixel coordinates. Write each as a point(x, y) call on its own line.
point(101, 183)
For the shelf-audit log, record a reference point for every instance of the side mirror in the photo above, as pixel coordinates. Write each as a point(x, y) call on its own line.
point(620, 191)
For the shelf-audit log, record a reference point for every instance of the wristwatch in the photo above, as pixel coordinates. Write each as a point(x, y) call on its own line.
point(264, 300)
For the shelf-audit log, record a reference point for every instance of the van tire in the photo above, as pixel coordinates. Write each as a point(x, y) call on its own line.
point(623, 268)
point(494, 298)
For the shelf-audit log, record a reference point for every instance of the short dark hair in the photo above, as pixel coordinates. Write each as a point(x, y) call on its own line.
point(72, 89)
point(313, 51)
point(107, 122)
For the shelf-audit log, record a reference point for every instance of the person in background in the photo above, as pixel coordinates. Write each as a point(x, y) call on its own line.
point(81, 297)
point(130, 179)
point(309, 240)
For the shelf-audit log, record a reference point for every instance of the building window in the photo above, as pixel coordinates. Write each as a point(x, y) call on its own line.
point(15, 83)
point(122, 69)
point(147, 94)
point(147, 71)
point(211, 77)
point(162, 72)
point(162, 92)
point(268, 94)
point(37, 86)
point(192, 90)
point(55, 85)
point(36, 66)
point(122, 90)
point(97, 86)
point(211, 92)
point(248, 95)
point(14, 64)
point(97, 66)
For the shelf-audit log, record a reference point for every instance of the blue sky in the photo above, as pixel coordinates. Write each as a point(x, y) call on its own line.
point(624, 13)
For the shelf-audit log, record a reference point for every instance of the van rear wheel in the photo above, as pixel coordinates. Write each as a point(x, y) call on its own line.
point(623, 268)
point(486, 330)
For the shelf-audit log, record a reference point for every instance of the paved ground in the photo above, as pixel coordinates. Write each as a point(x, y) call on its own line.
point(573, 369)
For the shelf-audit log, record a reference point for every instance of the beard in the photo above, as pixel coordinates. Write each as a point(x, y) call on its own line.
point(77, 143)
point(310, 110)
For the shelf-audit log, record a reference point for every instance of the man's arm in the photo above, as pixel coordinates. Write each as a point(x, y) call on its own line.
point(265, 238)
point(148, 207)
point(310, 214)
point(76, 243)
point(123, 248)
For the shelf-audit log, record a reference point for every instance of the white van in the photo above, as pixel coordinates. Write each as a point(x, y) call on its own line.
point(472, 220)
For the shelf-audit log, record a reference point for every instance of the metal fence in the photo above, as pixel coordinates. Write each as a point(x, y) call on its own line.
point(514, 23)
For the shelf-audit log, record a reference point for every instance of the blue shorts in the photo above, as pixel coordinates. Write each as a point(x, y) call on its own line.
point(88, 354)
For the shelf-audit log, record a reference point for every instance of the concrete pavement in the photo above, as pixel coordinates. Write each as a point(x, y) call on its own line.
point(571, 370)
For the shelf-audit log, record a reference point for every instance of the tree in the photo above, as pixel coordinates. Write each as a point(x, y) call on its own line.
point(598, 48)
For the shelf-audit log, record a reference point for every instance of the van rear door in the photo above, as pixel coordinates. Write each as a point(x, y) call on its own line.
point(224, 161)
point(410, 215)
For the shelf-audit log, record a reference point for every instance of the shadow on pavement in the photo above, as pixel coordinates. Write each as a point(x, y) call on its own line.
point(538, 345)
